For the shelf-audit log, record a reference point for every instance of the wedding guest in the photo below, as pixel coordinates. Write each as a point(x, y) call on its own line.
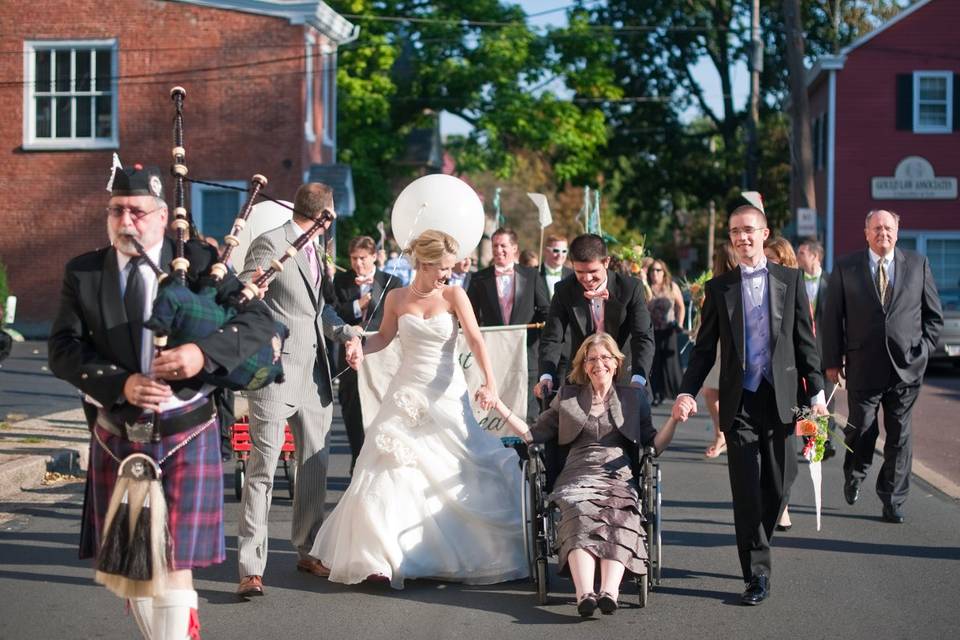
point(507, 293)
point(553, 269)
point(358, 294)
point(605, 427)
point(528, 258)
point(758, 315)
point(666, 312)
point(724, 260)
point(595, 300)
point(881, 324)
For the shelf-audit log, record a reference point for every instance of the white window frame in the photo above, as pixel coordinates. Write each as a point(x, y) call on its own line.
point(922, 237)
point(309, 128)
point(30, 139)
point(947, 126)
point(328, 90)
point(196, 199)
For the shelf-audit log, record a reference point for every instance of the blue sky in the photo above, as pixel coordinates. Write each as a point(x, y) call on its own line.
point(704, 72)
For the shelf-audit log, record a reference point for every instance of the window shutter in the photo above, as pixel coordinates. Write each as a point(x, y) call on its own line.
point(904, 102)
point(956, 102)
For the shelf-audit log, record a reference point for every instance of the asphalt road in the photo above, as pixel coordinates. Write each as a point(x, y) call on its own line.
point(857, 578)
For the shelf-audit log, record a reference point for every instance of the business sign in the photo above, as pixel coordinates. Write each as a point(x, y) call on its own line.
point(806, 222)
point(914, 179)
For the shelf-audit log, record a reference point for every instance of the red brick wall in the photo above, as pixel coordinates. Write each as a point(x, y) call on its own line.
point(237, 122)
point(868, 143)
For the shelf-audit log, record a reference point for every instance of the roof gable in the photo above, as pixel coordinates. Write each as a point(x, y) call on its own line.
point(316, 13)
point(862, 40)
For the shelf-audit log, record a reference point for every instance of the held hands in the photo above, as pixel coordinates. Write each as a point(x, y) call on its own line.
point(683, 407)
point(353, 353)
point(141, 391)
point(486, 397)
point(543, 388)
point(179, 363)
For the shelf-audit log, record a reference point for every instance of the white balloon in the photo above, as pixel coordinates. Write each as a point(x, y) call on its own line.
point(442, 202)
point(264, 216)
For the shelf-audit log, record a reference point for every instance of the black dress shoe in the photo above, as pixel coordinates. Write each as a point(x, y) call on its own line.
point(607, 603)
point(587, 605)
point(851, 490)
point(757, 591)
point(892, 514)
point(828, 450)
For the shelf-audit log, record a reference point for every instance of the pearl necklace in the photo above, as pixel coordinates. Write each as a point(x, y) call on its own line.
point(421, 294)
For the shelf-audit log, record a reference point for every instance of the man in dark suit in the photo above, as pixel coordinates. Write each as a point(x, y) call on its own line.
point(880, 325)
point(593, 298)
point(817, 281)
point(553, 269)
point(507, 293)
point(760, 315)
point(99, 344)
point(358, 295)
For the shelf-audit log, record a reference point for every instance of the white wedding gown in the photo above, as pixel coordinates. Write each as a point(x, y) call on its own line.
point(433, 495)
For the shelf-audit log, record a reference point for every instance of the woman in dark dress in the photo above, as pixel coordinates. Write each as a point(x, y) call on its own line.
point(667, 312)
point(603, 426)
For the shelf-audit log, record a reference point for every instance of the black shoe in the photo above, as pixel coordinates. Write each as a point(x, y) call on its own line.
point(757, 591)
point(607, 603)
point(892, 514)
point(587, 605)
point(851, 490)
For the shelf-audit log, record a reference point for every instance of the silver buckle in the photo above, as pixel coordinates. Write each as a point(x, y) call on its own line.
point(139, 431)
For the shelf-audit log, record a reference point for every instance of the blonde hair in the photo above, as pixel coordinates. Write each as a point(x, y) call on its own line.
point(783, 251)
point(430, 247)
point(578, 370)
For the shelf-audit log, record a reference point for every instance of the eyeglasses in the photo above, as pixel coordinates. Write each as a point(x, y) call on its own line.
point(736, 231)
point(592, 360)
point(135, 212)
point(558, 252)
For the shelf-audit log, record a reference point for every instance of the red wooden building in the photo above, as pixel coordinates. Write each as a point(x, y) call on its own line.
point(886, 130)
point(82, 79)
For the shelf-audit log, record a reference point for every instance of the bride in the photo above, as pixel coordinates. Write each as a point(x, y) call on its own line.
point(432, 494)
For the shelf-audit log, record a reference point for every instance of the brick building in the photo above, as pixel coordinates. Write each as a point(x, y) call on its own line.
point(88, 79)
point(886, 130)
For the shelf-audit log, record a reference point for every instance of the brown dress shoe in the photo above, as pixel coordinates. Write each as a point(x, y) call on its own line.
point(313, 566)
point(250, 586)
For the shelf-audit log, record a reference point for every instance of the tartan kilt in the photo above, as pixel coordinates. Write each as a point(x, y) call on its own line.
point(192, 483)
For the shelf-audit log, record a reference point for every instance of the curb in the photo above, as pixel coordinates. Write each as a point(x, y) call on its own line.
point(28, 472)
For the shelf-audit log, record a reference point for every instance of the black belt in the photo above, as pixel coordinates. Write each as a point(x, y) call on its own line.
point(142, 429)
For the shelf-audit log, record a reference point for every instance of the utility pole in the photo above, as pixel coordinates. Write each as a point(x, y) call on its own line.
point(802, 186)
point(712, 231)
point(753, 119)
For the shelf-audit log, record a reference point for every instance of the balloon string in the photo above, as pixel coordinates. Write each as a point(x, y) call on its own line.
point(393, 274)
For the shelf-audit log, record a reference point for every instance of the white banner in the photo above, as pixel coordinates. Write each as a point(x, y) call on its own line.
point(507, 350)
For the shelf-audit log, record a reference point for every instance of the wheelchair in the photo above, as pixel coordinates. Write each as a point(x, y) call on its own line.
point(540, 518)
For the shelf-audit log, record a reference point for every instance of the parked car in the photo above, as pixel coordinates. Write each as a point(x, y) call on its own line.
point(948, 345)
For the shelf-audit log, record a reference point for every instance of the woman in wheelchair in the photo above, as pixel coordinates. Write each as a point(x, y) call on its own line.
point(602, 428)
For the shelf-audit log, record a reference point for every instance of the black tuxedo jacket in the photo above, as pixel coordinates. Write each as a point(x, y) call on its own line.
point(792, 346)
point(530, 299)
point(818, 309)
point(868, 340)
point(346, 291)
point(625, 318)
point(90, 344)
point(565, 271)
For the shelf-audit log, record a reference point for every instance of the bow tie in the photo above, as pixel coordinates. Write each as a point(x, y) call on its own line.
point(753, 273)
point(504, 272)
point(363, 280)
point(810, 278)
point(554, 272)
point(597, 294)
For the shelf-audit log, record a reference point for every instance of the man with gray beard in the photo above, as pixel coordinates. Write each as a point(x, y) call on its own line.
point(99, 344)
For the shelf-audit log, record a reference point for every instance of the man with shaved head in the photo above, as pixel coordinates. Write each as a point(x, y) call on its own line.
point(879, 326)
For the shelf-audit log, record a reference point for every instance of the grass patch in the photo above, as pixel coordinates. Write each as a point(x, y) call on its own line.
point(16, 417)
point(31, 440)
point(4, 426)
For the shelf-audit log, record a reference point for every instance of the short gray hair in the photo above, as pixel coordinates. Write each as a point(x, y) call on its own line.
point(896, 218)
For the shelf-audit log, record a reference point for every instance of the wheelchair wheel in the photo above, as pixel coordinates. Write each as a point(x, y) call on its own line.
point(290, 470)
point(528, 518)
point(657, 529)
point(239, 476)
point(643, 586)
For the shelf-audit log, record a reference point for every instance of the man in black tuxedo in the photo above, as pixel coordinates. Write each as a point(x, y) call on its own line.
point(508, 293)
point(880, 325)
point(760, 315)
point(358, 295)
point(595, 298)
point(553, 269)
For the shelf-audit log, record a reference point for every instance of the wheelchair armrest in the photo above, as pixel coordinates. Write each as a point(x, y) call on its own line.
point(535, 449)
point(651, 451)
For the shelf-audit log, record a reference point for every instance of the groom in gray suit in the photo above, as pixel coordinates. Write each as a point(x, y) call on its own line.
point(304, 400)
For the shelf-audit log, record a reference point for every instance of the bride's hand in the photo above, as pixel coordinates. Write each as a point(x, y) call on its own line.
point(486, 397)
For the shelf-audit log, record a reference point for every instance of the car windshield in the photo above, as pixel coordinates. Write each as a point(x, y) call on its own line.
point(950, 299)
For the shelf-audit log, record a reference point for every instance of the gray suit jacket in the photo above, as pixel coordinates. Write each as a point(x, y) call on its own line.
point(868, 340)
point(295, 301)
point(568, 413)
